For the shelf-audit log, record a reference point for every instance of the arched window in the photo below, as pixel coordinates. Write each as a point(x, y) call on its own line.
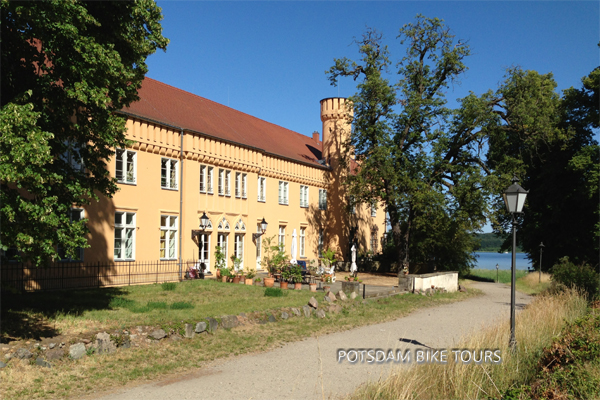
point(239, 226)
point(223, 225)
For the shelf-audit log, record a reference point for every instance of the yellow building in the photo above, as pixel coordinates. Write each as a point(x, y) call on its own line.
point(192, 156)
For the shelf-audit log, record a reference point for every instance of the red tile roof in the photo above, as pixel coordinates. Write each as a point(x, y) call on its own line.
point(166, 104)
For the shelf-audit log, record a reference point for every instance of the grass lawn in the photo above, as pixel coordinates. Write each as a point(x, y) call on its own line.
point(82, 313)
point(526, 282)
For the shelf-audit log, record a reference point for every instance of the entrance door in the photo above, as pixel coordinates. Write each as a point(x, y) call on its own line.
point(258, 247)
point(204, 250)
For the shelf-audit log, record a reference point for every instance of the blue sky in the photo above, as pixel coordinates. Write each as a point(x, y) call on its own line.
point(268, 59)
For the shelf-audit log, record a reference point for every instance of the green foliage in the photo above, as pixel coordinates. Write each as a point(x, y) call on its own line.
point(328, 257)
point(121, 302)
point(181, 305)
point(296, 273)
point(167, 286)
point(274, 258)
point(219, 259)
point(68, 67)
point(421, 159)
point(581, 276)
point(548, 142)
point(236, 264)
point(564, 369)
point(275, 292)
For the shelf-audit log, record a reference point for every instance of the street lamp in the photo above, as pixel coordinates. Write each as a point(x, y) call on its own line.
point(263, 228)
point(514, 198)
point(541, 251)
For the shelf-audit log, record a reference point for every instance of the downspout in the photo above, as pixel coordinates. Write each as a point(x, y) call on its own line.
point(180, 205)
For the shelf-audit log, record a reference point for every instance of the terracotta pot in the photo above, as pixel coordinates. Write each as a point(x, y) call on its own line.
point(258, 283)
point(236, 279)
point(283, 285)
point(269, 282)
point(223, 279)
point(297, 286)
point(218, 273)
point(249, 281)
point(313, 287)
point(326, 288)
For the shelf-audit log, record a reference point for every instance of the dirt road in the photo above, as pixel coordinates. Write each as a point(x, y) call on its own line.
point(310, 370)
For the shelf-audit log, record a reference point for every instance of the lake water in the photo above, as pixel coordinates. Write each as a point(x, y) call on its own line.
point(489, 260)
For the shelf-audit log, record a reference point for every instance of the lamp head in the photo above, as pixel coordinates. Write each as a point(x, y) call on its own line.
point(514, 197)
point(204, 221)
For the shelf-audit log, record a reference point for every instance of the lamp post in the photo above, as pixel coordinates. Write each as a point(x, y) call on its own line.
point(514, 198)
point(541, 251)
point(263, 228)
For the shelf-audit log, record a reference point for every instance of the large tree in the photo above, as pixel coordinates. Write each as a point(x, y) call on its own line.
point(421, 159)
point(67, 68)
point(548, 142)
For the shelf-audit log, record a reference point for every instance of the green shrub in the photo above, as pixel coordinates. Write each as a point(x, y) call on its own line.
point(181, 305)
point(275, 292)
point(121, 302)
point(157, 305)
point(169, 286)
point(581, 276)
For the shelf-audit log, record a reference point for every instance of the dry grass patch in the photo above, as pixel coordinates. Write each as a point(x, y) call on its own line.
point(535, 327)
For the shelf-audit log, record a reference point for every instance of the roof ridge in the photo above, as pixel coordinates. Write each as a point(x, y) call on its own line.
point(228, 107)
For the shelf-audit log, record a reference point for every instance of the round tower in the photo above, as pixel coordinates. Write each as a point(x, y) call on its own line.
point(336, 116)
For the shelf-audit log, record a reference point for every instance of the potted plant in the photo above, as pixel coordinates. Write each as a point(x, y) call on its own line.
point(286, 275)
point(274, 258)
point(250, 274)
point(312, 270)
point(236, 269)
point(257, 281)
point(296, 276)
point(351, 284)
point(220, 263)
point(225, 274)
point(327, 282)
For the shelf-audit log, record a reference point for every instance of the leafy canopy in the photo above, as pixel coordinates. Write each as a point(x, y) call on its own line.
point(67, 68)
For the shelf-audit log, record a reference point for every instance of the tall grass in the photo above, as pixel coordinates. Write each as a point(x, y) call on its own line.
point(535, 327)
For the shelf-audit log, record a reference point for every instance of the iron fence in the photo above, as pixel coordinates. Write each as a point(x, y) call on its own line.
point(74, 275)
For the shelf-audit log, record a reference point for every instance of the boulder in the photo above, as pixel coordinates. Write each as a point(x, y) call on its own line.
point(23, 354)
point(353, 295)
point(335, 308)
point(77, 351)
point(158, 334)
point(103, 344)
point(55, 354)
point(296, 312)
point(229, 321)
point(313, 302)
point(2, 365)
point(331, 296)
point(189, 331)
point(343, 296)
point(213, 324)
point(200, 327)
point(284, 315)
point(42, 363)
point(272, 318)
point(321, 314)
point(307, 311)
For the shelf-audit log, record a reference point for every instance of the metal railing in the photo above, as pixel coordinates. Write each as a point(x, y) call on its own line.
point(75, 275)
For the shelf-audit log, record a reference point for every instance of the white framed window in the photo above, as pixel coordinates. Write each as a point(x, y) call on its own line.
point(262, 188)
point(240, 185)
point(304, 196)
point(206, 179)
point(320, 243)
point(168, 237)
point(124, 236)
point(302, 242)
point(221, 182)
point(75, 215)
point(238, 250)
point(373, 242)
point(284, 192)
point(373, 209)
point(352, 205)
point(223, 243)
point(126, 166)
point(322, 199)
point(244, 186)
point(168, 173)
point(281, 238)
point(227, 183)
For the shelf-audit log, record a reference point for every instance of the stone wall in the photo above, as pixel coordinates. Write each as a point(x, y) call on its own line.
point(413, 282)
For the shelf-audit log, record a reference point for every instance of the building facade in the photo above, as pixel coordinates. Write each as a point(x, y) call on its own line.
point(191, 156)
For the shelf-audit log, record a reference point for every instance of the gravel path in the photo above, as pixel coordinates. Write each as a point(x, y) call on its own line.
point(309, 369)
